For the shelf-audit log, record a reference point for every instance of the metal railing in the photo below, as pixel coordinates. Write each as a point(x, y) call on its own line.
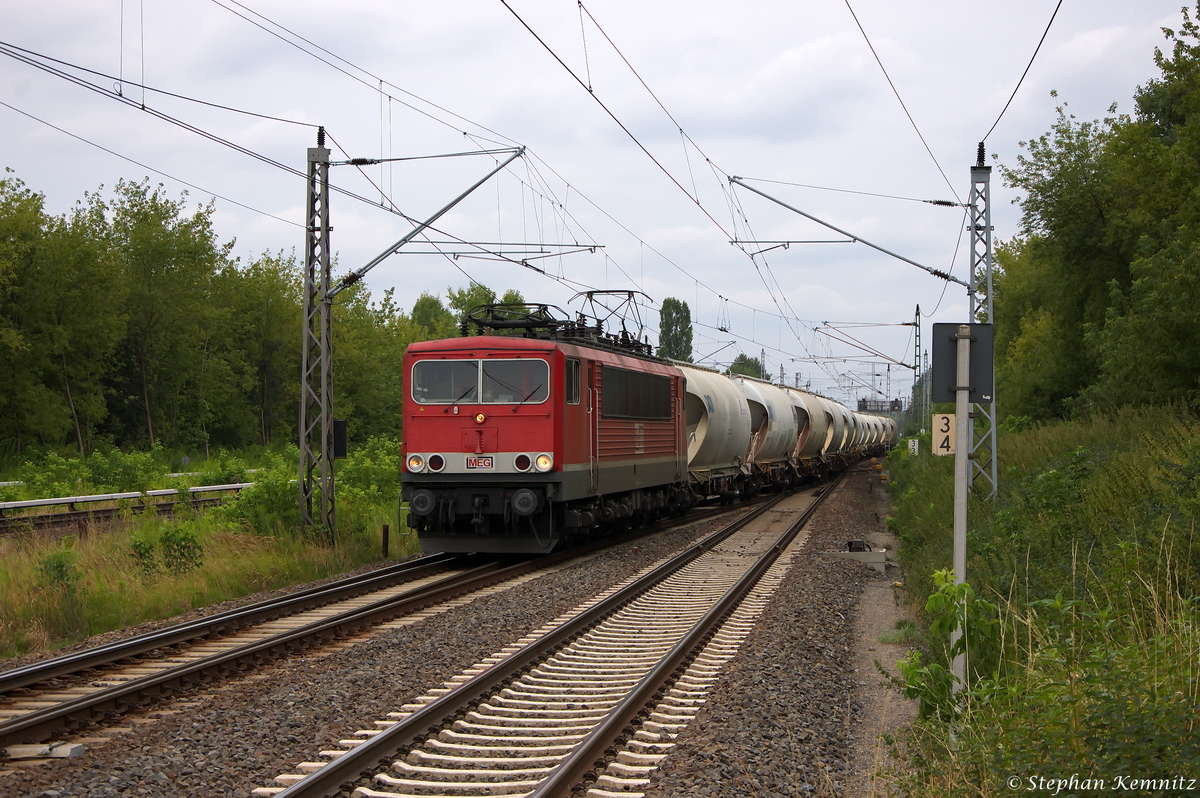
point(141, 496)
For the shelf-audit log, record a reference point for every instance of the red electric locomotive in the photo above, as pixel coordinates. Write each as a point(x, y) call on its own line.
point(521, 442)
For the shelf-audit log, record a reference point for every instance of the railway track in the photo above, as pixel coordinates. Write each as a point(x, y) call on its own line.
point(591, 701)
point(59, 696)
point(80, 520)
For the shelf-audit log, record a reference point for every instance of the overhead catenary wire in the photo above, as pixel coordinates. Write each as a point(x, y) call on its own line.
point(162, 115)
point(561, 215)
point(153, 90)
point(613, 116)
point(895, 91)
point(150, 168)
point(639, 144)
point(1036, 50)
point(377, 79)
point(352, 65)
point(734, 205)
point(943, 203)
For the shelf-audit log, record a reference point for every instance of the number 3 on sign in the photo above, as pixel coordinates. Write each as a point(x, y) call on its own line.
point(943, 433)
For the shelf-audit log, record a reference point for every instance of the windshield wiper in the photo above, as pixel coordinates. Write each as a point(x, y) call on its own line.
point(460, 398)
point(526, 398)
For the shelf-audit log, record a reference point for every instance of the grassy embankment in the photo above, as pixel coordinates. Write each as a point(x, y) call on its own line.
point(1082, 618)
point(57, 591)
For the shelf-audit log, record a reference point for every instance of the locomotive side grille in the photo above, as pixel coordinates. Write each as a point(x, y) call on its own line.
point(622, 439)
point(636, 414)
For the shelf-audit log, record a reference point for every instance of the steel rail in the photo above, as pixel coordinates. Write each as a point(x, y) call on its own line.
point(45, 723)
point(118, 699)
point(221, 623)
point(426, 721)
point(11, 524)
point(591, 754)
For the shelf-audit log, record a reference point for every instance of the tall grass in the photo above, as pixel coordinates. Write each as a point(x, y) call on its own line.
point(1089, 568)
point(57, 591)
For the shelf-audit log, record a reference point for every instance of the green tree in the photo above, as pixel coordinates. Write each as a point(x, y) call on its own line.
point(169, 262)
point(431, 318)
point(75, 297)
point(466, 299)
point(1148, 344)
point(263, 326)
point(60, 320)
point(750, 366)
point(27, 416)
point(675, 330)
point(1092, 304)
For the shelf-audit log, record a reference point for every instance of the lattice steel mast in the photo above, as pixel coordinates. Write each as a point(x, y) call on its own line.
point(316, 359)
point(316, 430)
point(983, 438)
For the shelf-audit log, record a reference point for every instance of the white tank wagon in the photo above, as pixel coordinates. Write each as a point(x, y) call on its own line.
point(773, 426)
point(893, 432)
point(775, 430)
point(815, 422)
point(718, 428)
point(746, 434)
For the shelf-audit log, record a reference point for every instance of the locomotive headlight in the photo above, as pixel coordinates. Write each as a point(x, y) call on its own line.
point(522, 462)
point(436, 462)
point(416, 463)
point(544, 462)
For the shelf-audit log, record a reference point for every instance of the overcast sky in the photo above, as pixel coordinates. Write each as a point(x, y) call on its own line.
point(779, 91)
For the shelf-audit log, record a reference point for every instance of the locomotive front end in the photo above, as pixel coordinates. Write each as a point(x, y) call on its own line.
point(481, 465)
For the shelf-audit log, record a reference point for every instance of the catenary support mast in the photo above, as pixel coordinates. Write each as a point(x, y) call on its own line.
point(983, 436)
point(316, 359)
point(316, 430)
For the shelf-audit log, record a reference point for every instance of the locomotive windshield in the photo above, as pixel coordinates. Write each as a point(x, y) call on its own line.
point(440, 382)
point(519, 381)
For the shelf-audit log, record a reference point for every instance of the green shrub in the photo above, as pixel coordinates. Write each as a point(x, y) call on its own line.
point(371, 471)
point(143, 551)
point(181, 549)
point(52, 476)
point(122, 472)
point(1085, 657)
point(270, 506)
point(229, 471)
point(58, 570)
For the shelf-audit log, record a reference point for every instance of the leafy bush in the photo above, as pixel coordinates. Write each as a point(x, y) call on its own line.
point(229, 471)
point(269, 506)
point(1088, 692)
point(53, 475)
point(371, 471)
point(57, 569)
point(122, 472)
point(181, 549)
point(142, 549)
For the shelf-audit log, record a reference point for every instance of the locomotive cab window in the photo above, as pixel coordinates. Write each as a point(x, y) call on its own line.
point(572, 381)
point(515, 381)
point(490, 382)
point(442, 382)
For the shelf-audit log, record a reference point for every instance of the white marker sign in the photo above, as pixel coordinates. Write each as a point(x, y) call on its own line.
point(944, 427)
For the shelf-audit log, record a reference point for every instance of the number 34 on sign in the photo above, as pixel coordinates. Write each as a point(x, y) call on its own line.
point(943, 433)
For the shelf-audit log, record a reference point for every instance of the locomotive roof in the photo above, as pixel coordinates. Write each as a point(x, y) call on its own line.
point(519, 343)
